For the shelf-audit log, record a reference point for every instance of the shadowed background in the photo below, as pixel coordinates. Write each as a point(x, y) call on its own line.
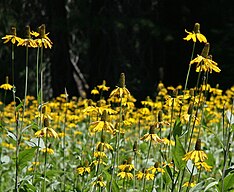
point(97, 40)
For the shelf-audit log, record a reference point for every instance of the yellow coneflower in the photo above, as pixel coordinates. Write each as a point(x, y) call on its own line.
point(28, 41)
point(100, 154)
point(46, 132)
point(196, 155)
point(204, 165)
point(195, 34)
point(125, 175)
point(187, 184)
point(8, 145)
point(151, 136)
point(95, 91)
point(81, 170)
point(103, 86)
point(121, 91)
point(48, 150)
point(12, 37)
point(6, 86)
point(156, 169)
point(205, 62)
point(98, 126)
point(99, 182)
point(42, 37)
point(144, 174)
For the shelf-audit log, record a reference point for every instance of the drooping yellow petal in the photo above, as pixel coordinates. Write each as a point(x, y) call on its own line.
point(201, 38)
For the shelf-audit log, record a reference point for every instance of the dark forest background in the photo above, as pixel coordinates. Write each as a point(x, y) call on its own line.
point(95, 40)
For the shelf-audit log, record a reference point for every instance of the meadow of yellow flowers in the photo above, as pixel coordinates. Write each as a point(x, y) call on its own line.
point(180, 140)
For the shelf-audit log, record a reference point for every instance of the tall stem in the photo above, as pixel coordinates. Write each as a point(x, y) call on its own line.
point(187, 77)
point(147, 158)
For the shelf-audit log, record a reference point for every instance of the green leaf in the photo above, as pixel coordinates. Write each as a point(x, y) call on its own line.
point(199, 187)
point(115, 187)
point(211, 185)
point(178, 153)
point(167, 176)
point(228, 183)
point(12, 135)
point(177, 129)
point(26, 156)
point(20, 104)
point(39, 97)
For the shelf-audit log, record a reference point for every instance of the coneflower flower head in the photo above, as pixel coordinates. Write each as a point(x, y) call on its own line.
point(198, 145)
point(135, 147)
point(122, 80)
point(196, 28)
point(205, 50)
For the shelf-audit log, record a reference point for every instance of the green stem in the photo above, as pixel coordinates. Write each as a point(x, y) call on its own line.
point(227, 148)
point(37, 71)
point(45, 162)
point(64, 143)
point(187, 77)
point(116, 154)
point(147, 158)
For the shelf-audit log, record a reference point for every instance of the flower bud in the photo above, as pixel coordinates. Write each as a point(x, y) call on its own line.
point(196, 28)
point(104, 115)
point(27, 35)
point(42, 31)
point(152, 128)
point(13, 31)
point(156, 165)
point(122, 80)
point(46, 122)
point(198, 145)
point(135, 146)
point(205, 50)
point(160, 113)
point(190, 109)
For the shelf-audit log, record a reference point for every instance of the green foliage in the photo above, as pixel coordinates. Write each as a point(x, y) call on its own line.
point(178, 153)
point(227, 184)
point(26, 156)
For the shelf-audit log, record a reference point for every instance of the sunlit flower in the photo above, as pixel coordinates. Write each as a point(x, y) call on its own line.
point(8, 145)
point(46, 132)
point(145, 174)
point(104, 146)
point(121, 91)
point(12, 37)
point(151, 136)
point(83, 169)
point(196, 155)
point(125, 175)
point(195, 34)
point(28, 41)
point(42, 37)
point(126, 166)
point(100, 154)
point(205, 62)
point(98, 161)
point(166, 141)
point(187, 184)
point(95, 91)
point(48, 150)
point(98, 126)
point(99, 182)
point(103, 87)
point(204, 165)
point(156, 169)
point(6, 85)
